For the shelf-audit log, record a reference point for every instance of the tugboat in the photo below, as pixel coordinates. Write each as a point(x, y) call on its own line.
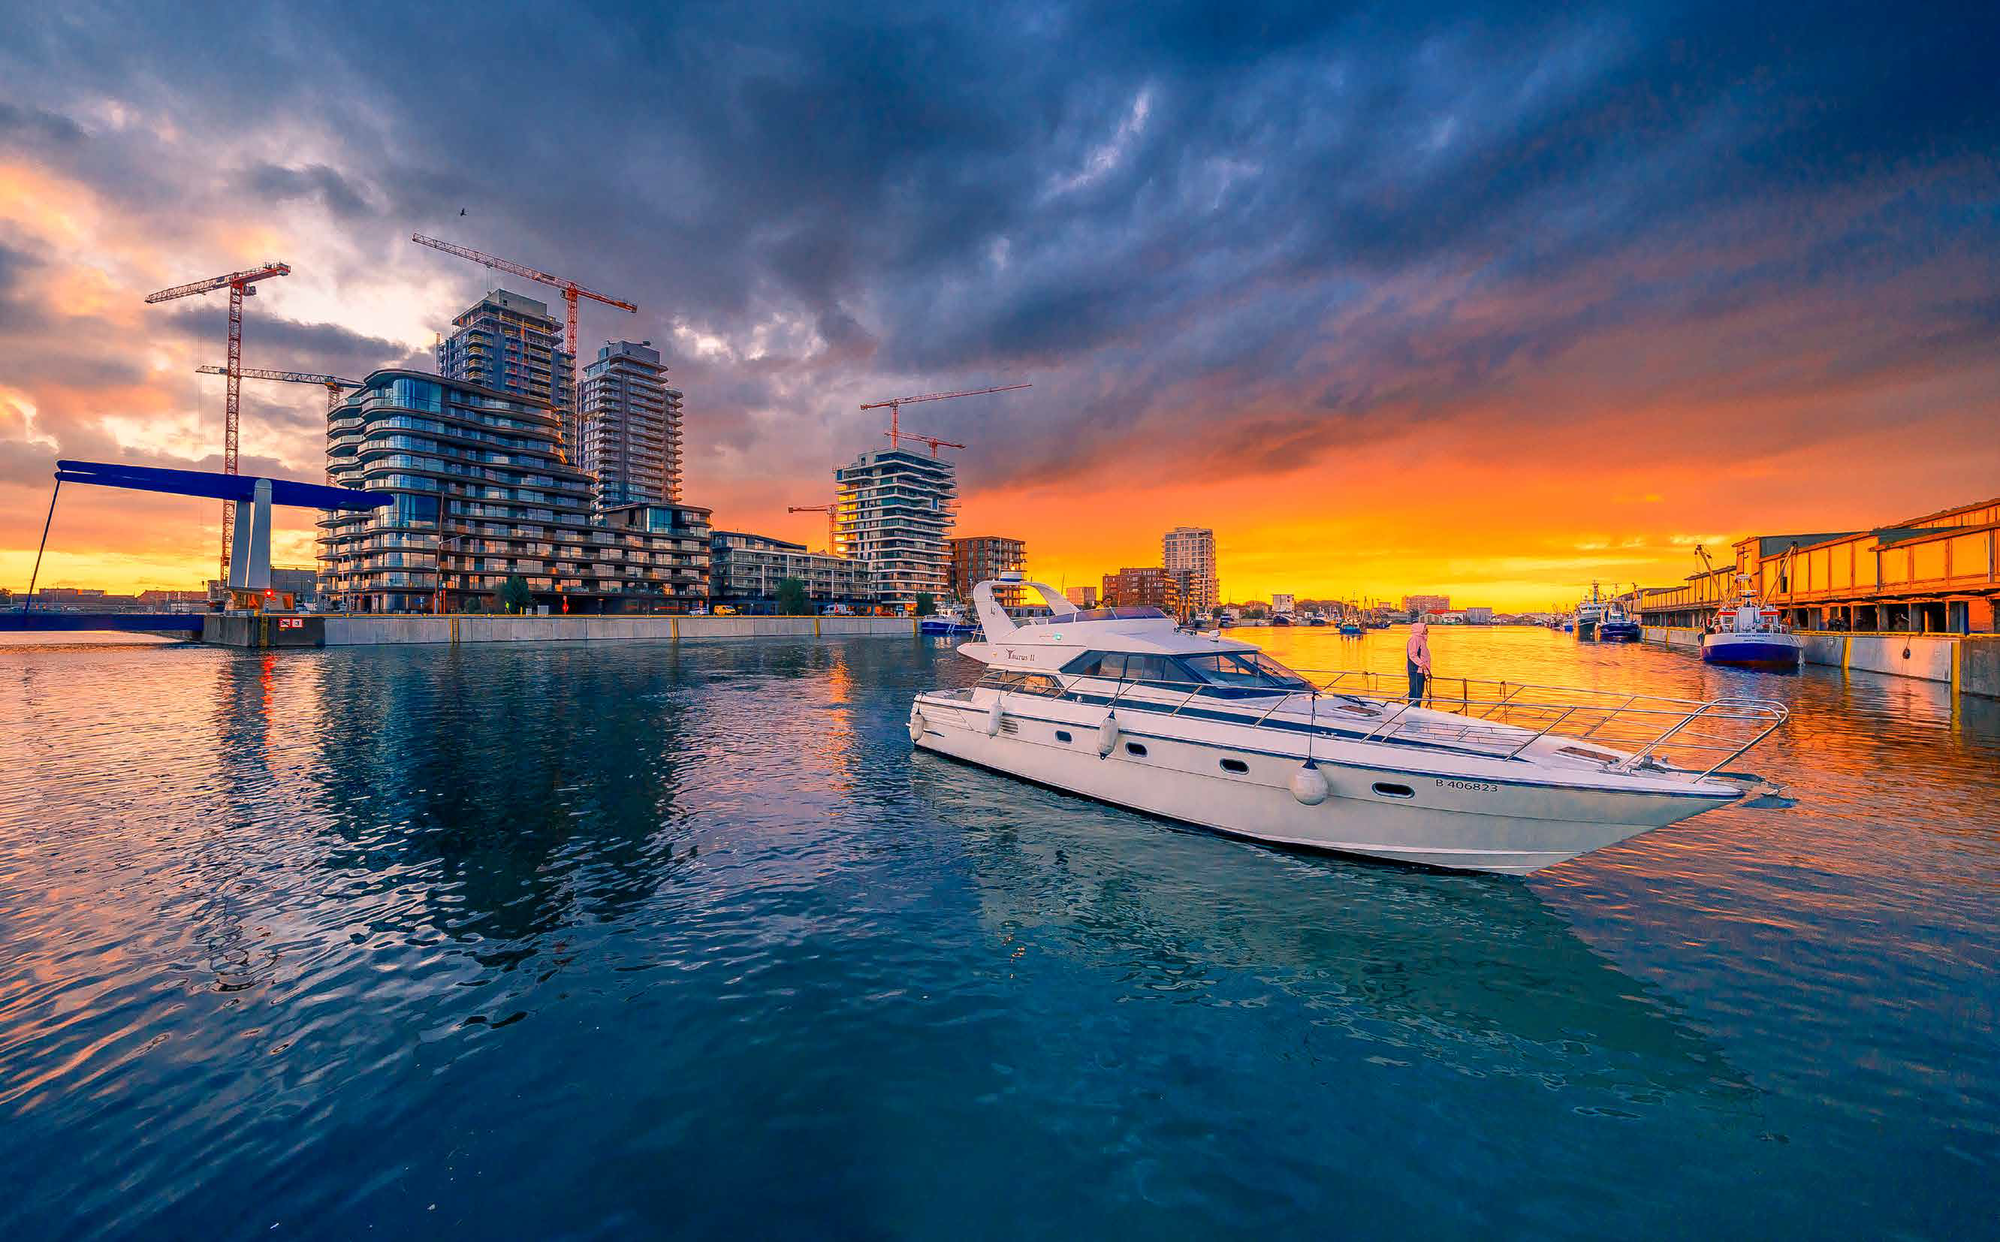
point(1616, 625)
point(1746, 634)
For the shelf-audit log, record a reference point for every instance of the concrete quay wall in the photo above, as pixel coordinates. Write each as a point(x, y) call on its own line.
point(1969, 663)
point(363, 631)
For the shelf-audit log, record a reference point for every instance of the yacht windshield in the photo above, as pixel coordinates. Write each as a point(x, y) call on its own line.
point(1244, 668)
point(1127, 613)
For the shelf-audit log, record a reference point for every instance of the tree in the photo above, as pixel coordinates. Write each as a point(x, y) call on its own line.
point(515, 595)
point(926, 604)
point(792, 601)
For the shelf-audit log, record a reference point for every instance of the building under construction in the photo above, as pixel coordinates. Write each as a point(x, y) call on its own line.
point(465, 519)
point(629, 435)
point(893, 508)
point(509, 342)
point(1932, 574)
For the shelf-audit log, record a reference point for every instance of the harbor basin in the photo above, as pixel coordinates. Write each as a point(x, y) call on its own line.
point(641, 939)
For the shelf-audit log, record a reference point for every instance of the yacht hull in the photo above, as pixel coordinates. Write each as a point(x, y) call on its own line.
point(1377, 810)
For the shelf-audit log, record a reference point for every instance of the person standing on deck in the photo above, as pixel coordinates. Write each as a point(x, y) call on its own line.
point(1418, 653)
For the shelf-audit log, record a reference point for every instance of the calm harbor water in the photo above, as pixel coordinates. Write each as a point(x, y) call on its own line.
point(637, 940)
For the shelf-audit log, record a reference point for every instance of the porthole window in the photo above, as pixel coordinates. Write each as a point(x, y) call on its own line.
point(1133, 748)
point(1235, 765)
point(1389, 790)
point(1062, 735)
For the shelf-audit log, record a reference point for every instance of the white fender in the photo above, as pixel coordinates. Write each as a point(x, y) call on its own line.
point(917, 723)
point(1309, 784)
point(993, 719)
point(1107, 734)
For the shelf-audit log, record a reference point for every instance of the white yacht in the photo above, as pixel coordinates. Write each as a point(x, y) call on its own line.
point(1119, 704)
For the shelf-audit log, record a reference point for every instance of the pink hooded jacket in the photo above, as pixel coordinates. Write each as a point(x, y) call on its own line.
point(1419, 649)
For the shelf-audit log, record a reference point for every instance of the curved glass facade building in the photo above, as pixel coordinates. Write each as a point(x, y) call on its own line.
point(481, 494)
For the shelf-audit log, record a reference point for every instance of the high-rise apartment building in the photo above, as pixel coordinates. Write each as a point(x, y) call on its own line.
point(480, 495)
point(1188, 555)
point(512, 344)
point(894, 507)
point(629, 435)
point(1081, 596)
point(1416, 604)
point(977, 558)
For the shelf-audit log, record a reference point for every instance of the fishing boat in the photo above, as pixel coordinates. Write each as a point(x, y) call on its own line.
point(1616, 625)
point(1748, 634)
point(1589, 611)
point(950, 621)
point(1350, 628)
point(1120, 705)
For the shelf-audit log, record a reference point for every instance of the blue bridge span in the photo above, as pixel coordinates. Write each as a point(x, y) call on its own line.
point(187, 624)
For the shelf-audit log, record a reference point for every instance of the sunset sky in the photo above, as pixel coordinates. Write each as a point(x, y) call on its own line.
point(1491, 304)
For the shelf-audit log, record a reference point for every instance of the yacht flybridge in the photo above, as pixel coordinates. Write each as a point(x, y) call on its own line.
point(1121, 705)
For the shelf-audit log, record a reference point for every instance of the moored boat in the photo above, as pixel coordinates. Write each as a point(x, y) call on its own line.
point(1616, 625)
point(950, 621)
point(1119, 704)
point(1747, 634)
point(1589, 611)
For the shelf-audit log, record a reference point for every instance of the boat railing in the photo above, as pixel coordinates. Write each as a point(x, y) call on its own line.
point(1617, 730)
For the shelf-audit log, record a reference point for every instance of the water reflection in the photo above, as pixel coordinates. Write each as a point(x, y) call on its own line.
point(498, 776)
point(363, 929)
point(1472, 973)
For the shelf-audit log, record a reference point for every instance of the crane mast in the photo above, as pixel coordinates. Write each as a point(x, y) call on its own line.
point(240, 285)
point(832, 522)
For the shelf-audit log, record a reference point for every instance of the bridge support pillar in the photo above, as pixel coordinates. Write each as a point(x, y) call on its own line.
point(250, 550)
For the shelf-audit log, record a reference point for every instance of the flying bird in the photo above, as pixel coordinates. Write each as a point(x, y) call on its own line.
point(461, 211)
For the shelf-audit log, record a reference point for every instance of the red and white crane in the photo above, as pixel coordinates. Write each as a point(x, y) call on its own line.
point(332, 383)
point(240, 285)
point(896, 433)
point(571, 291)
point(832, 521)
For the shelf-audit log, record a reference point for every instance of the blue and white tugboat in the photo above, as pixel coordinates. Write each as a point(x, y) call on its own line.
point(1746, 634)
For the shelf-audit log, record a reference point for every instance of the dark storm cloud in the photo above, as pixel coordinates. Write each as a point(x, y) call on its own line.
point(315, 181)
point(269, 340)
point(14, 310)
point(31, 128)
point(1322, 215)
